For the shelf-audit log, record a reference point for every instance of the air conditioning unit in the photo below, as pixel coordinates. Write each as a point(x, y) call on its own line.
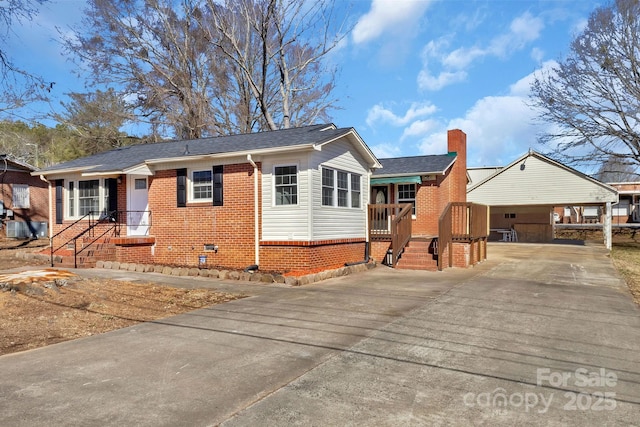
point(21, 229)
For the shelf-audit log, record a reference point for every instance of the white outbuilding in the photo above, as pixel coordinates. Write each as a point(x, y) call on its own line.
point(523, 194)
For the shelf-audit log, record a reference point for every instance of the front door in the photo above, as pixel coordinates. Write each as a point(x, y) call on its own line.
point(381, 219)
point(137, 205)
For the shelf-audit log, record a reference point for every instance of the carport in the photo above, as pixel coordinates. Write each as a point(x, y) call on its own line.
point(523, 194)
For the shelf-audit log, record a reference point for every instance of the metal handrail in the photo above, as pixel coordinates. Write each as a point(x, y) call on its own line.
point(112, 218)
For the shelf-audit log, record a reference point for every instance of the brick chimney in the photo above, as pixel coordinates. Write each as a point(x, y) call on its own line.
point(457, 143)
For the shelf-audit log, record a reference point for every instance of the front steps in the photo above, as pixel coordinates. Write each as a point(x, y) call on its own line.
point(102, 250)
point(419, 255)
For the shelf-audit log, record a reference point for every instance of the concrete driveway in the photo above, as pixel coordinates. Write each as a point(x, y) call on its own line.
point(537, 335)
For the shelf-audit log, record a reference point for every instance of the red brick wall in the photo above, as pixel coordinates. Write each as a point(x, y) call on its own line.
point(38, 210)
point(433, 196)
point(379, 250)
point(181, 233)
point(295, 256)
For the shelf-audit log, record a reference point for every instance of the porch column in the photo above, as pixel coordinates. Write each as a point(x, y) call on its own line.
point(606, 229)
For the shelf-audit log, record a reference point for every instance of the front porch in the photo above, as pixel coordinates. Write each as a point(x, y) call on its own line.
point(99, 236)
point(463, 229)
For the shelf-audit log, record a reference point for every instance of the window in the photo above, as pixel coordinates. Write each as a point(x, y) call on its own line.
point(407, 194)
point(202, 182)
point(286, 185)
point(343, 189)
point(20, 197)
point(355, 191)
point(88, 196)
point(140, 184)
point(340, 188)
point(510, 215)
point(327, 187)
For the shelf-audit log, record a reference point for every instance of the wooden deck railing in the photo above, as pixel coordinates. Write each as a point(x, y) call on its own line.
point(391, 222)
point(462, 222)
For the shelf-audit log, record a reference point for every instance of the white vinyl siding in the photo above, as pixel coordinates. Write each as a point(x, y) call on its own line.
point(539, 182)
point(334, 222)
point(309, 220)
point(285, 222)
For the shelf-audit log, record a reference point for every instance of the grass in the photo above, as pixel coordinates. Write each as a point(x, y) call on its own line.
point(626, 259)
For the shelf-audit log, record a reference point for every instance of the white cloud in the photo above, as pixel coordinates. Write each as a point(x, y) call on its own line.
point(419, 128)
point(378, 114)
point(498, 128)
point(388, 16)
point(386, 150)
point(522, 30)
point(445, 78)
point(537, 54)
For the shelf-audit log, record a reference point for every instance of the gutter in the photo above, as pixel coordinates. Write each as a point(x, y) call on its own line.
point(255, 210)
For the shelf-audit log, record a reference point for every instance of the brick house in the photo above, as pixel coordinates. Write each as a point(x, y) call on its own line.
point(24, 209)
point(429, 183)
point(627, 210)
point(284, 200)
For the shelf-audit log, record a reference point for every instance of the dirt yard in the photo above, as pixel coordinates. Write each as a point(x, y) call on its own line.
point(65, 307)
point(59, 305)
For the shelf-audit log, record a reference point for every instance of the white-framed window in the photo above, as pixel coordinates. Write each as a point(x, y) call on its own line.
point(341, 189)
point(285, 185)
point(88, 196)
point(140, 184)
point(202, 185)
point(355, 191)
point(85, 196)
point(407, 194)
point(327, 186)
point(20, 199)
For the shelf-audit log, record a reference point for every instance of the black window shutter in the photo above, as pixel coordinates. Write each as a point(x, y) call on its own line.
point(182, 187)
point(217, 186)
point(59, 197)
point(112, 185)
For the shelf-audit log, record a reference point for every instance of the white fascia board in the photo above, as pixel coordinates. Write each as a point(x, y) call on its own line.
point(243, 153)
point(61, 171)
point(374, 163)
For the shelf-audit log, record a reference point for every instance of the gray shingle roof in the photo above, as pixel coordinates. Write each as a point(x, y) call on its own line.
point(416, 165)
point(126, 157)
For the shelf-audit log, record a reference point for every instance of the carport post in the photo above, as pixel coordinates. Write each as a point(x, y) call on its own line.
point(607, 226)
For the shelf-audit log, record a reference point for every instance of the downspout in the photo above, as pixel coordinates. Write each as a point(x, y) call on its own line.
point(255, 210)
point(50, 210)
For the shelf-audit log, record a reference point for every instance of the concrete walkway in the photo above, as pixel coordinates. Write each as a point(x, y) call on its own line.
point(537, 335)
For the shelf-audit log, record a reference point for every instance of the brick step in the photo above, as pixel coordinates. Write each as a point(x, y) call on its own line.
point(432, 266)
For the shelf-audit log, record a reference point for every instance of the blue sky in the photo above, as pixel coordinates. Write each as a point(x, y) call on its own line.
point(409, 71)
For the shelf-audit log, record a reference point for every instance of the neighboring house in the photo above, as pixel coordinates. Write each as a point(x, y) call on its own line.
point(429, 183)
point(293, 199)
point(627, 210)
point(522, 197)
point(24, 209)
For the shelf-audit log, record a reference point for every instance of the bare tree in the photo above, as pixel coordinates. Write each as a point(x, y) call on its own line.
point(204, 68)
point(591, 99)
point(278, 47)
point(17, 86)
point(615, 169)
point(155, 53)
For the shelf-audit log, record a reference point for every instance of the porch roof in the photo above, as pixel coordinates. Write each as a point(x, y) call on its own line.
point(415, 165)
point(413, 179)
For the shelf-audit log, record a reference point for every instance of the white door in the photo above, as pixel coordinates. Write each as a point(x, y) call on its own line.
point(137, 205)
